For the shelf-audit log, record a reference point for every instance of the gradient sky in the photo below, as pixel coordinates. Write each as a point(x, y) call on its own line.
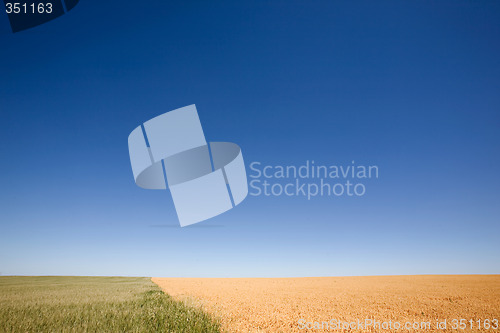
point(410, 86)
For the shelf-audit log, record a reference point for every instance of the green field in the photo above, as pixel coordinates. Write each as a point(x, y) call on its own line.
point(94, 304)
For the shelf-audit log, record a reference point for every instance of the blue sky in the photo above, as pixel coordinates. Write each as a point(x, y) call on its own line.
point(410, 86)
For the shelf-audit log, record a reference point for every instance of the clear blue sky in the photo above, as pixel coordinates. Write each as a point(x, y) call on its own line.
point(411, 86)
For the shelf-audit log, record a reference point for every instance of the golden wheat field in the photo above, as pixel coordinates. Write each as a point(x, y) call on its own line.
point(333, 304)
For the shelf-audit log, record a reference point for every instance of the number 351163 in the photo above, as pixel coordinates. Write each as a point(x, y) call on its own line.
point(24, 8)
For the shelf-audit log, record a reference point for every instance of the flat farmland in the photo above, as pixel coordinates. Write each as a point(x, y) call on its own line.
point(94, 304)
point(298, 304)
